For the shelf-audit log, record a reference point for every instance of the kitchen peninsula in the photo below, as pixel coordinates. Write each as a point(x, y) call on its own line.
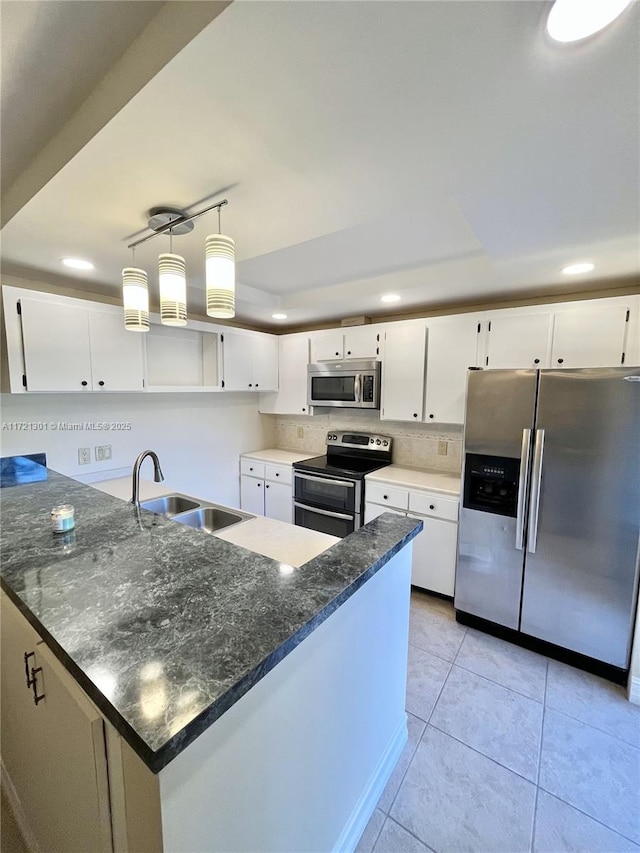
point(245, 704)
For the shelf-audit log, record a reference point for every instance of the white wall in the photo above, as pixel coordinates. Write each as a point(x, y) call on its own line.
point(198, 437)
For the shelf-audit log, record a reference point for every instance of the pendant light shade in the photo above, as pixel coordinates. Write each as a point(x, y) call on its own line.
point(135, 299)
point(220, 276)
point(173, 290)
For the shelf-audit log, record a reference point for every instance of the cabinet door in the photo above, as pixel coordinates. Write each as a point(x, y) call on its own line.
point(518, 341)
point(116, 354)
point(265, 362)
point(589, 337)
point(53, 752)
point(278, 501)
point(56, 346)
point(238, 362)
point(403, 373)
point(372, 511)
point(434, 555)
point(361, 342)
point(452, 348)
point(252, 495)
point(327, 346)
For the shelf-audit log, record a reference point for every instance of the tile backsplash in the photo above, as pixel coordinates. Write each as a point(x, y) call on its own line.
point(414, 445)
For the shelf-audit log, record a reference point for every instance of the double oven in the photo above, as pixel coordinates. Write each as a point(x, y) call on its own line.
point(328, 491)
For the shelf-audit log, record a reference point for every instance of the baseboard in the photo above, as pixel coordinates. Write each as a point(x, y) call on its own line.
point(16, 807)
point(354, 827)
point(634, 690)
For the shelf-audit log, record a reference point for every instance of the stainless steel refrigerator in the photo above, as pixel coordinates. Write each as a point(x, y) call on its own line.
point(549, 527)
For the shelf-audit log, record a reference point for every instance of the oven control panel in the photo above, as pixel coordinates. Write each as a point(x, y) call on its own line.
point(360, 440)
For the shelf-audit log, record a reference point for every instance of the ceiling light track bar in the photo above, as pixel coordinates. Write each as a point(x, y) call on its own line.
point(178, 221)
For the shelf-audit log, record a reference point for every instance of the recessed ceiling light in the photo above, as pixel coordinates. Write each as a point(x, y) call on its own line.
point(573, 20)
point(576, 269)
point(390, 297)
point(77, 263)
point(279, 316)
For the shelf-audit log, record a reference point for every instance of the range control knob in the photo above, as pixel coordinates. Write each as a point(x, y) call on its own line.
point(378, 441)
point(385, 443)
point(371, 440)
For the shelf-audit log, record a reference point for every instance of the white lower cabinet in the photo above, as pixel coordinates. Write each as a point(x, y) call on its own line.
point(434, 549)
point(54, 751)
point(266, 489)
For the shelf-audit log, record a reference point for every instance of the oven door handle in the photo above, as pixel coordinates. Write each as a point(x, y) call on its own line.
point(348, 483)
point(323, 511)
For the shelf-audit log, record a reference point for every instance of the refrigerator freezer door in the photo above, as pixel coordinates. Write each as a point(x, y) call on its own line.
point(580, 583)
point(500, 411)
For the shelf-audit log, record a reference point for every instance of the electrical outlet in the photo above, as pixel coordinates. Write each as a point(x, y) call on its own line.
point(103, 452)
point(300, 432)
point(442, 448)
point(84, 455)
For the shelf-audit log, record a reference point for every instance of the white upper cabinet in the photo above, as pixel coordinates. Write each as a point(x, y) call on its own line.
point(518, 340)
point(356, 342)
point(590, 337)
point(291, 398)
point(250, 362)
point(453, 347)
point(71, 348)
point(403, 372)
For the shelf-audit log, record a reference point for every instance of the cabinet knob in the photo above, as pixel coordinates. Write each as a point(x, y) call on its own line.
point(386, 497)
point(257, 386)
point(250, 385)
point(101, 383)
point(258, 484)
point(560, 360)
point(304, 409)
point(277, 474)
point(431, 506)
point(348, 352)
point(415, 414)
point(84, 383)
point(267, 486)
point(337, 353)
point(432, 416)
point(536, 361)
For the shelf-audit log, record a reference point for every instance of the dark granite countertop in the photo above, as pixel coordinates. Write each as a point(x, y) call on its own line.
point(166, 627)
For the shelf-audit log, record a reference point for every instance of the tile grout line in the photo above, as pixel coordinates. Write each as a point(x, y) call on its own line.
point(412, 834)
point(594, 728)
point(483, 754)
point(498, 683)
point(535, 802)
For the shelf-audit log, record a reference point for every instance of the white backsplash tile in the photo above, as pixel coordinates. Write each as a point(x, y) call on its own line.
point(414, 445)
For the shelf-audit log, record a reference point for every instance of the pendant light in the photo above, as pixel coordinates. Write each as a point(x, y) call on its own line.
point(135, 298)
point(173, 288)
point(220, 273)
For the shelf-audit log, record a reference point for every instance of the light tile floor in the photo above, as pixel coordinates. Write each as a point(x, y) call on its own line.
point(507, 751)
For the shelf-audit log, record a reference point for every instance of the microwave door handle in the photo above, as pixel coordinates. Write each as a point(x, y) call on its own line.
point(536, 481)
point(357, 388)
point(523, 484)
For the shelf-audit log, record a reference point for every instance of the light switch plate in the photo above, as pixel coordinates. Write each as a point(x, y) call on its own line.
point(103, 452)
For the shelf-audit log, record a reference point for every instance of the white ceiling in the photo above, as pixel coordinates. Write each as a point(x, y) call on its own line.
point(446, 151)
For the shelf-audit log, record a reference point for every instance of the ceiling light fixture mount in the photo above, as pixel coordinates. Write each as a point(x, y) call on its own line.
point(77, 263)
point(390, 297)
point(577, 269)
point(220, 272)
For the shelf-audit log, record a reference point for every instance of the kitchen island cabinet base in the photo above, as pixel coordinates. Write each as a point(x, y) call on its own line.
point(297, 763)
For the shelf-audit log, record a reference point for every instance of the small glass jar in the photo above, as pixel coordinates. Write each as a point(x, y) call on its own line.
point(62, 518)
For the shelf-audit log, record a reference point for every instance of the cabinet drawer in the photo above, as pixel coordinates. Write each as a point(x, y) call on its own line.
point(278, 473)
point(378, 493)
point(427, 503)
point(251, 468)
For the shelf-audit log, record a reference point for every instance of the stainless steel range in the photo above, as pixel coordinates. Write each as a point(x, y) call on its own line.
point(328, 491)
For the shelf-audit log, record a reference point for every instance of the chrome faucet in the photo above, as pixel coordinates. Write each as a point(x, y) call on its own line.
point(158, 476)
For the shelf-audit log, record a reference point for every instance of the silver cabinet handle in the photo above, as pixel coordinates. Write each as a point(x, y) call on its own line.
point(536, 480)
point(323, 511)
point(523, 485)
point(348, 483)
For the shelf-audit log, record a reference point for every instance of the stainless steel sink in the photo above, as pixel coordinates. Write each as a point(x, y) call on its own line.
point(212, 518)
point(170, 505)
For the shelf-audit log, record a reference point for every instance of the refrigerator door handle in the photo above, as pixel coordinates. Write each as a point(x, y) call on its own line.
point(536, 479)
point(523, 485)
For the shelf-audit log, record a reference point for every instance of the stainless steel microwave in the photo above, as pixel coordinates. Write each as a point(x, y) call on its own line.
point(349, 384)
